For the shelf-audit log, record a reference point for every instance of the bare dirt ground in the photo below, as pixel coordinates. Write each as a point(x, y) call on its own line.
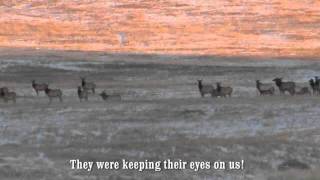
point(160, 117)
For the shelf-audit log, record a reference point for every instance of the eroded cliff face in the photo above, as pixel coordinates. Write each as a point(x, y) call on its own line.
point(218, 27)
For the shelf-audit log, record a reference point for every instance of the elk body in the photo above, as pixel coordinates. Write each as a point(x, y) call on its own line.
point(53, 93)
point(39, 86)
point(82, 94)
point(3, 90)
point(8, 96)
point(88, 85)
point(285, 86)
point(315, 85)
point(224, 91)
point(205, 88)
point(265, 89)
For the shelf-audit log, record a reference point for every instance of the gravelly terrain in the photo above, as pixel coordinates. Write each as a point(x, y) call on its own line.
point(161, 116)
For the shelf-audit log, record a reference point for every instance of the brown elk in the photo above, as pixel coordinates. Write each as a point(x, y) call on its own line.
point(224, 91)
point(205, 89)
point(39, 86)
point(285, 86)
point(264, 89)
point(3, 90)
point(82, 94)
point(88, 85)
point(8, 96)
point(53, 93)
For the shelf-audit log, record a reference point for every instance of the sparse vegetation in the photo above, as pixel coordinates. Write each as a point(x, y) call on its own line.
point(164, 118)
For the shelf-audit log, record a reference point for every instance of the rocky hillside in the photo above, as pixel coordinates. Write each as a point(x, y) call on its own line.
point(219, 27)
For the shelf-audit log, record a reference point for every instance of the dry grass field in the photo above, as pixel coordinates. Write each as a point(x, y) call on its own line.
point(161, 116)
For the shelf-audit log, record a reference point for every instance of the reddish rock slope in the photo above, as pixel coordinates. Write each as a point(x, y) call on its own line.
point(219, 27)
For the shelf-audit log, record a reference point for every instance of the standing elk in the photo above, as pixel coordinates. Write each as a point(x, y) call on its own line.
point(53, 93)
point(205, 88)
point(317, 82)
point(82, 94)
point(285, 86)
point(88, 85)
point(3, 90)
point(224, 91)
point(7, 95)
point(315, 85)
point(39, 87)
point(215, 93)
point(264, 89)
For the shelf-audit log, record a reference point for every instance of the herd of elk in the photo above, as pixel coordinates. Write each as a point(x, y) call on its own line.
point(204, 89)
point(263, 88)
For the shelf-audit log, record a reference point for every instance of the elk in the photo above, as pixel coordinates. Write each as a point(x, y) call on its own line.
point(88, 85)
point(285, 86)
point(205, 88)
point(53, 93)
point(215, 93)
point(264, 89)
point(82, 94)
point(224, 91)
point(317, 82)
point(3, 90)
point(9, 96)
point(39, 87)
point(315, 85)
